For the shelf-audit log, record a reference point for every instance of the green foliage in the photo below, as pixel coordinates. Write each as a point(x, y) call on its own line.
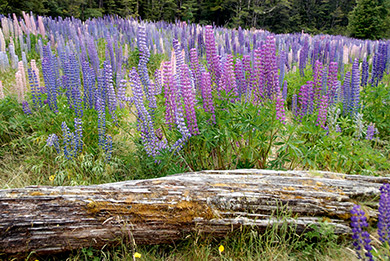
point(367, 20)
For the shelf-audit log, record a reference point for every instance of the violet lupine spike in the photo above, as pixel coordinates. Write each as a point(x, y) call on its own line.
point(303, 58)
point(34, 87)
point(240, 78)
point(144, 56)
point(111, 96)
point(158, 79)
point(361, 239)
point(371, 131)
point(258, 75)
point(89, 85)
point(294, 105)
point(195, 67)
point(228, 79)
point(285, 90)
point(52, 141)
point(169, 95)
point(211, 53)
point(322, 111)
point(208, 103)
point(346, 92)
point(355, 88)
point(332, 82)
point(384, 214)
point(271, 69)
point(145, 122)
point(280, 113)
point(189, 100)
point(26, 108)
point(365, 67)
point(50, 83)
point(304, 100)
point(318, 71)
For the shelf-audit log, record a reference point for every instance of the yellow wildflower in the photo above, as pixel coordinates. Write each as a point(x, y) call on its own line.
point(221, 248)
point(137, 255)
point(52, 177)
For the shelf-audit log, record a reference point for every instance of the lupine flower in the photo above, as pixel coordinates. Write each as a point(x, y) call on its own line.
point(189, 100)
point(78, 136)
point(68, 137)
point(195, 67)
point(211, 53)
point(371, 131)
point(384, 214)
point(318, 71)
point(52, 140)
point(322, 111)
point(280, 113)
point(169, 95)
point(361, 239)
point(205, 85)
point(26, 108)
point(332, 83)
point(303, 55)
point(364, 73)
point(355, 88)
point(111, 96)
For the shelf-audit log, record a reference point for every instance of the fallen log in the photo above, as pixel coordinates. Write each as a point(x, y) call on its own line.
point(50, 220)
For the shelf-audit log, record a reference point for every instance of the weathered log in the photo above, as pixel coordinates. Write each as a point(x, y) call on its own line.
point(50, 220)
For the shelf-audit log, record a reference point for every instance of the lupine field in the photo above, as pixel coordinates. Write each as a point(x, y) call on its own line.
point(113, 99)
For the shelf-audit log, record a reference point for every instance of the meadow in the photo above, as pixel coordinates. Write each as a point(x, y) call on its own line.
point(113, 99)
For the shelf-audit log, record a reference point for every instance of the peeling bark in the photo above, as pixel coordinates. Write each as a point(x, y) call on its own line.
point(51, 220)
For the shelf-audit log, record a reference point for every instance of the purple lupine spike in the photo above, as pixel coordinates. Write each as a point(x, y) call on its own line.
point(322, 111)
point(371, 131)
point(346, 92)
point(284, 91)
point(361, 239)
point(258, 75)
point(50, 83)
point(26, 108)
point(108, 147)
point(332, 82)
point(294, 105)
point(282, 66)
point(211, 53)
point(271, 69)
point(195, 67)
point(169, 94)
point(144, 56)
point(189, 100)
point(52, 140)
point(303, 54)
point(365, 67)
point(384, 214)
point(318, 71)
point(89, 85)
point(179, 61)
point(355, 88)
point(208, 103)
point(145, 122)
point(228, 79)
point(111, 96)
point(158, 79)
point(35, 93)
point(240, 78)
point(304, 100)
point(280, 113)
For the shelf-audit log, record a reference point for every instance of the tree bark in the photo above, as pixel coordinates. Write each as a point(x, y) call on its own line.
point(51, 220)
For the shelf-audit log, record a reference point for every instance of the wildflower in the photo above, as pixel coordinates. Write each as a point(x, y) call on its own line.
point(137, 255)
point(51, 178)
point(384, 214)
point(361, 239)
point(221, 248)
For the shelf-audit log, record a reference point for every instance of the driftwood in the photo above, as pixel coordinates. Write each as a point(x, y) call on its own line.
point(50, 220)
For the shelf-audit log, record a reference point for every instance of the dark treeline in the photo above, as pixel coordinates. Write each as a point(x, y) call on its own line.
point(278, 16)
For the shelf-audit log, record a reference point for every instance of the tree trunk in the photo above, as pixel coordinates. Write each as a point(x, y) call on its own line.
point(50, 220)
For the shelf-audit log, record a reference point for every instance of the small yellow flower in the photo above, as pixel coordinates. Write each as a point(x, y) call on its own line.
point(51, 178)
point(137, 255)
point(221, 248)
